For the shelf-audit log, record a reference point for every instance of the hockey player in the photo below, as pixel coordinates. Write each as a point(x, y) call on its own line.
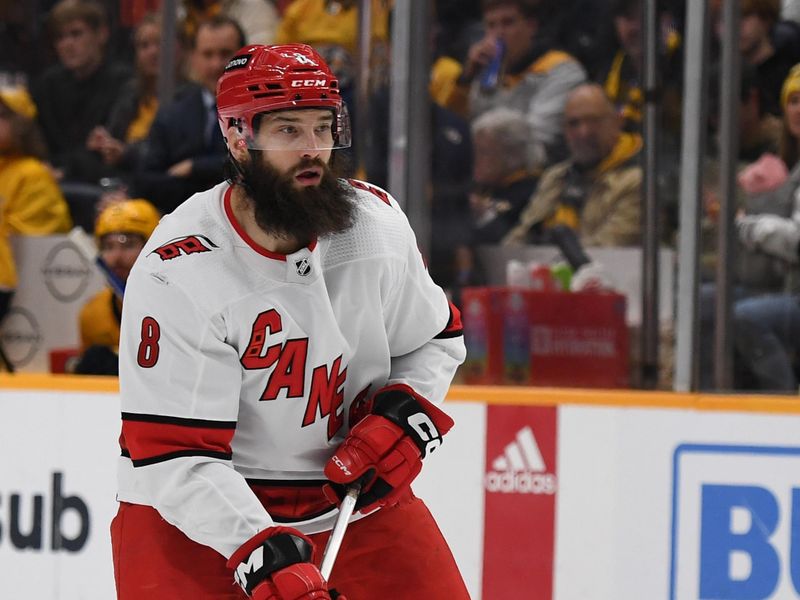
point(281, 339)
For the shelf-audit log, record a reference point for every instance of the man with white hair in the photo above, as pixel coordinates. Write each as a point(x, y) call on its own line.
point(502, 177)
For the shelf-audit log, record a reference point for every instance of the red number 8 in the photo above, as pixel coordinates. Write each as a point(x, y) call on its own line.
point(148, 347)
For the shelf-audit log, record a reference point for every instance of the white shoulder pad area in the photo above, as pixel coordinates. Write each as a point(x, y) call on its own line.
point(380, 229)
point(189, 248)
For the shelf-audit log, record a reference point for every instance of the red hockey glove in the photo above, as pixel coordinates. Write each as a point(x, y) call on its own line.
point(275, 564)
point(384, 451)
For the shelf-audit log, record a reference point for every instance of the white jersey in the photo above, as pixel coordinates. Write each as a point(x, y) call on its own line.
point(239, 364)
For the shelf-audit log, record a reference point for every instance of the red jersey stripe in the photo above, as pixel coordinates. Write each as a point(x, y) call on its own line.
point(454, 328)
point(153, 441)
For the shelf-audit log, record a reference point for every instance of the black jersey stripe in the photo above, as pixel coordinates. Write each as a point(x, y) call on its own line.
point(287, 482)
point(183, 422)
point(151, 460)
point(449, 334)
point(454, 327)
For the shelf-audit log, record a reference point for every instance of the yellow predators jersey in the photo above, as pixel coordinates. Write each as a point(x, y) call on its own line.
point(99, 321)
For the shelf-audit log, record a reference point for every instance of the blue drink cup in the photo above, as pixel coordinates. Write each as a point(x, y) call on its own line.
point(490, 78)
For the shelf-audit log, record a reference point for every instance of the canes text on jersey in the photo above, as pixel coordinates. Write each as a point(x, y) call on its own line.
point(326, 395)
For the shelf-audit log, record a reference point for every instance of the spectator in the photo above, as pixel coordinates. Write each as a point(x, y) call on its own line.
point(121, 231)
point(766, 326)
point(759, 131)
point(759, 135)
point(502, 183)
point(185, 151)
point(622, 78)
point(258, 18)
point(30, 201)
point(121, 142)
point(758, 48)
point(789, 147)
point(76, 94)
point(597, 190)
point(502, 178)
point(771, 171)
point(763, 266)
point(531, 76)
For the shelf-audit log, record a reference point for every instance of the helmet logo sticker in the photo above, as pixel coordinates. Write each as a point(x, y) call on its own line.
point(309, 83)
point(303, 59)
point(303, 267)
point(237, 62)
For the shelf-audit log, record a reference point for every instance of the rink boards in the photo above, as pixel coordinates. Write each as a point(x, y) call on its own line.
point(542, 493)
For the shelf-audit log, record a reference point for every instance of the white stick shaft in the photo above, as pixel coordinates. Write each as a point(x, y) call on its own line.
point(337, 535)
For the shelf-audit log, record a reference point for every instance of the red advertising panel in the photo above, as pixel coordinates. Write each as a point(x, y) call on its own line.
point(482, 315)
point(524, 337)
point(520, 489)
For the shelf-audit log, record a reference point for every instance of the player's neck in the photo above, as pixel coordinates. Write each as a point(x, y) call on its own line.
point(244, 212)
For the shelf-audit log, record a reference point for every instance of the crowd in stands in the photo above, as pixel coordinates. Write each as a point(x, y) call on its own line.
point(536, 123)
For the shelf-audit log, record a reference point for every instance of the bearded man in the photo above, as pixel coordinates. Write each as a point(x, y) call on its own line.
point(281, 341)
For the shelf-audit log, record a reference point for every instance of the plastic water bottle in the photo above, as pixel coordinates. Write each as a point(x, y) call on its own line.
point(541, 279)
point(562, 273)
point(517, 274)
point(490, 78)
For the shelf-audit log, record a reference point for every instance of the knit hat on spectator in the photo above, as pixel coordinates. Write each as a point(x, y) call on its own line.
point(790, 85)
point(19, 101)
point(128, 216)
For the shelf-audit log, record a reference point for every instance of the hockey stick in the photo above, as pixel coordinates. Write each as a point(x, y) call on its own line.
point(88, 249)
point(337, 534)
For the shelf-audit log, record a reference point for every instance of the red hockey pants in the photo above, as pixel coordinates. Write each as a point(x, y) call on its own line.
point(395, 553)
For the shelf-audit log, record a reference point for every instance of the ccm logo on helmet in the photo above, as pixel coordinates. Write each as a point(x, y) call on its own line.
point(309, 83)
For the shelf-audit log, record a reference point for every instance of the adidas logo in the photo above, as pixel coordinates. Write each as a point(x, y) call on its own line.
point(521, 468)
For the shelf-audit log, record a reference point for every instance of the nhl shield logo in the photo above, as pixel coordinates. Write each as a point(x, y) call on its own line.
point(303, 267)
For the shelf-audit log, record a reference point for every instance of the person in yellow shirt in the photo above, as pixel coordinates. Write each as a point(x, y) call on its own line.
point(121, 230)
point(31, 202)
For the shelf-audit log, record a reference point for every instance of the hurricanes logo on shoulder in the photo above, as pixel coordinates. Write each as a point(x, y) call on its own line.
point(303, 267)
point(191, 244)
point(520, 469)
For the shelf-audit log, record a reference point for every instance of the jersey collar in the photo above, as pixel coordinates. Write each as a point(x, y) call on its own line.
point(226, 202)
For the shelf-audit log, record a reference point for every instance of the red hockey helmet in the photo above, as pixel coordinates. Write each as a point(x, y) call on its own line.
point(264, 79)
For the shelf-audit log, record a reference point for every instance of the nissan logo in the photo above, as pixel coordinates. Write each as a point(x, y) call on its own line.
point(21, 336)
point(66, 272)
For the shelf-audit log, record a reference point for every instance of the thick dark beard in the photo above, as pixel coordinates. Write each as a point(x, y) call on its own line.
point(286, 211)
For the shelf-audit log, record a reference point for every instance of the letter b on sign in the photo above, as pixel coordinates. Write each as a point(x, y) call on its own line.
point(740, 557)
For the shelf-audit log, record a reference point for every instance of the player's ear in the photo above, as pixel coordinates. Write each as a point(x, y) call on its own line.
point(237, 144)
